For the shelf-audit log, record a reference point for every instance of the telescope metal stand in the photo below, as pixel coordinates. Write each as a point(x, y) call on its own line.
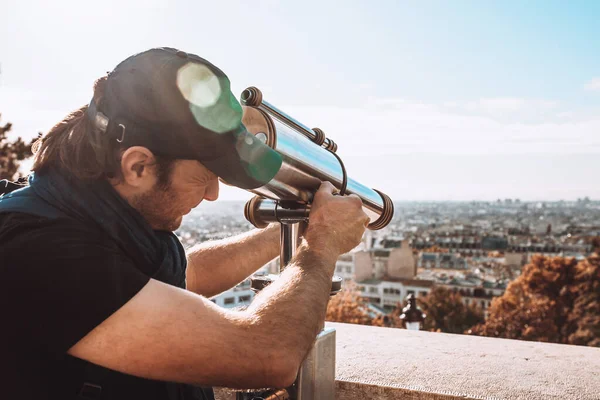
point(316, 377)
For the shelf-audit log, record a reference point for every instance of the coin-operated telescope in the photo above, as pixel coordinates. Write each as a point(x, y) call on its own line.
point(308, 158)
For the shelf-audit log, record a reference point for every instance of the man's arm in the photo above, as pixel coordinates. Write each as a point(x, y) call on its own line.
point(167, 333)
point(216, 266)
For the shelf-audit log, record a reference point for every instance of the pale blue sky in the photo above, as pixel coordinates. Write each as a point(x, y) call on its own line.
point(428, 100)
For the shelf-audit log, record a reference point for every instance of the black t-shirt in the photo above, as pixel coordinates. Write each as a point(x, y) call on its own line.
point(58, 281)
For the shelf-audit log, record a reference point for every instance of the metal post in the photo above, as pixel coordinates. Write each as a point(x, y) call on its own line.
point(316, 378)
point(289, 243)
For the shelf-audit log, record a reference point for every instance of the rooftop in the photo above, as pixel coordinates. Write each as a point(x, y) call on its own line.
point(408, 282)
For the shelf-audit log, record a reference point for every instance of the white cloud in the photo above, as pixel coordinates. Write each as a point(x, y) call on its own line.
point(397, 126)
point(501, 109)
point(365, 86)
point(565, 114)
point(593, 85)
point(509, 108)
point(497, 104)
point(435, 152)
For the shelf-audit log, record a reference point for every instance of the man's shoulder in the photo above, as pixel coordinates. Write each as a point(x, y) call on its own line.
point(28, 223)
point(21, 231)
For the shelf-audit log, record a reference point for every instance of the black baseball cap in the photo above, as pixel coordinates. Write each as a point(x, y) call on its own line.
point(179, 105)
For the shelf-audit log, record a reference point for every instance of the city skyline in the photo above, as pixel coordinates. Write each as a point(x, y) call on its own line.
point(427, 101)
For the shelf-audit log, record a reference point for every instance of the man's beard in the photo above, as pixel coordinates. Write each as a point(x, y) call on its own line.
point(158, 207)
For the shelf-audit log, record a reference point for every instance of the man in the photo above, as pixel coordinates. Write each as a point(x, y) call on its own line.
point(99, 299)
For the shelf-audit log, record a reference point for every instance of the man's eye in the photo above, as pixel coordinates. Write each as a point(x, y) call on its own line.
point(203, 180)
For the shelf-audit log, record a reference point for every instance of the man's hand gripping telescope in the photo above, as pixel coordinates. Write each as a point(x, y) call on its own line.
point(311, 186)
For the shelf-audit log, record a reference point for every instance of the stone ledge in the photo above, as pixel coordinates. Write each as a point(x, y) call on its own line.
point(385, 363)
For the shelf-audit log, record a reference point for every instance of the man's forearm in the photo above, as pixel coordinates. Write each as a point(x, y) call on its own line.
point(216, 266)
point(291, 310)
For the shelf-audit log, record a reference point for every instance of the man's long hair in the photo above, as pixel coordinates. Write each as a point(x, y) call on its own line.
point(77, 147)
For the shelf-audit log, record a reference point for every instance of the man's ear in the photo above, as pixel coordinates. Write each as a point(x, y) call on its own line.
point(136, 167)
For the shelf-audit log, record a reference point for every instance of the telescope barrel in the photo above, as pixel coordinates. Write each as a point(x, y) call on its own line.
point(252, 97)
point(305, 165)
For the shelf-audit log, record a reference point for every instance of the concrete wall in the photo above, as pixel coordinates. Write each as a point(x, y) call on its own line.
point(384, 363)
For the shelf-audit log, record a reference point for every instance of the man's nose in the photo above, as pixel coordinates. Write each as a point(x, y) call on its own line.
point(212, 191)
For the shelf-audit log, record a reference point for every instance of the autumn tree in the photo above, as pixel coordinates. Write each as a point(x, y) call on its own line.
point(349, 307)
point(444, 308)
point(584, 319)
point(12, 153)
point(554, 300)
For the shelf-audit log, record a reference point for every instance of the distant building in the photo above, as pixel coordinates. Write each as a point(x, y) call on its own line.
point(551, 248)
point(441, 260)
point(344, 267)
point(242, 294)
point(474, 290)
point(457, 243)
point(494, 243)
point(385, 276)
point(397, 262)
point(401, 262)
point(387, 293)
point(514, 260)
point(239, 296)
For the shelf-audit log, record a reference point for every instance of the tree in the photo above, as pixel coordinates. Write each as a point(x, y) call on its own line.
point(11, 153)
point(446, 312)
point(444, 308)
point(554, 300)
point(585, 317)
point(349, 307)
